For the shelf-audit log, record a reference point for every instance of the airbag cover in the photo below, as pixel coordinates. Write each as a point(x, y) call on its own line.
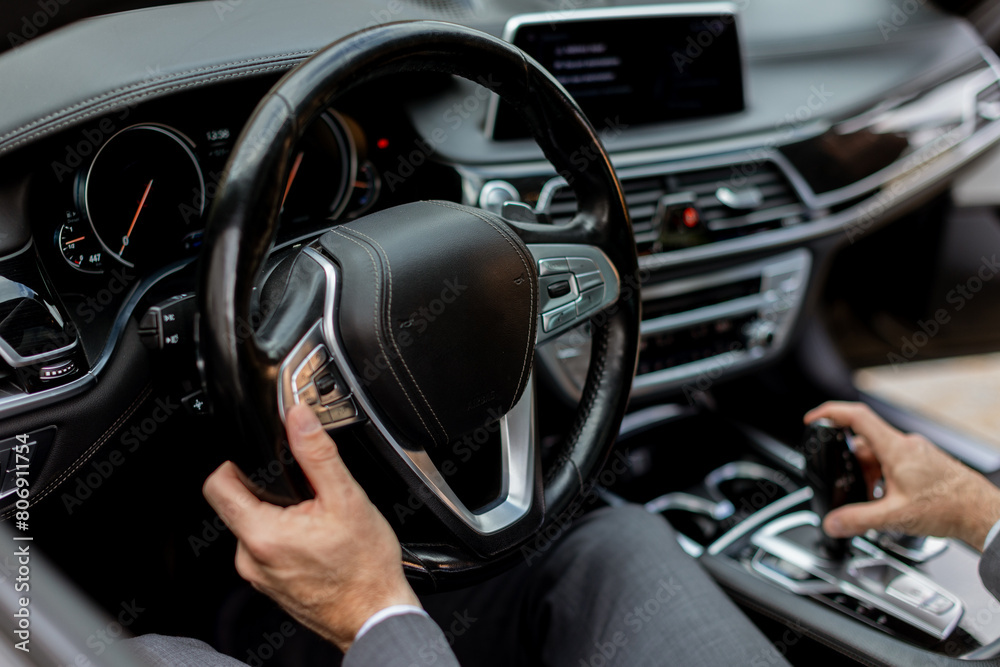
point(437, 313)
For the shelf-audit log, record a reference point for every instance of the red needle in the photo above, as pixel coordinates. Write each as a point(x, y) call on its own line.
point(291, 176)
point(142, 202)
point(75, 240)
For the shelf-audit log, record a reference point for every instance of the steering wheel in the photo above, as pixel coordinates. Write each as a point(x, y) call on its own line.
point(414, 328)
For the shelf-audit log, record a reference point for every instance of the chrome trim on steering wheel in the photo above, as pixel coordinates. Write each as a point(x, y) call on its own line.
point(517, 435)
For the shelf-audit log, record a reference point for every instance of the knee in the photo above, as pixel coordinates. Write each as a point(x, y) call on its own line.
point(613, 537)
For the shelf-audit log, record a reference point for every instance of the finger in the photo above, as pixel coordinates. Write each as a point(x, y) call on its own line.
point(859, 417)
point(857, 518)
point(870, 466)
point(246, 566)
point(316, 453)
point(232, 500)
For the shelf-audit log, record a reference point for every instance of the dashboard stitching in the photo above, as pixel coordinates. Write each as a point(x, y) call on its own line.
point(51, 486)
point(531, 285)
point(378, 337)
point(392, 337)
point(99, 110)
point(153, 82)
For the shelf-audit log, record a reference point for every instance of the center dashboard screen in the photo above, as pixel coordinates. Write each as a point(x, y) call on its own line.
point(634, 70)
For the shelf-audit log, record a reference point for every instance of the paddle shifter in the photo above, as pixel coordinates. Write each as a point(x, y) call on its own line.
point(834, 473)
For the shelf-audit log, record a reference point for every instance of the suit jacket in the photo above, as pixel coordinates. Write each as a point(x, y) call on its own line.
point(408, 640)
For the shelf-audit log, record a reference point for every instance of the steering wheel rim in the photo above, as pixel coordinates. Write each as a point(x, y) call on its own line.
point(241, 371)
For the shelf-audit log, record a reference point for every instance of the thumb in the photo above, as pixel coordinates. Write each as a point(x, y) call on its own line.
point(856, 518)
point(316, 452)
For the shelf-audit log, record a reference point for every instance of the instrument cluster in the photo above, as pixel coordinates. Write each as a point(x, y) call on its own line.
point(137, 198)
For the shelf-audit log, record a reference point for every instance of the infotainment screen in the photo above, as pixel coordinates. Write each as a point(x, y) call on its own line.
point(633, 69)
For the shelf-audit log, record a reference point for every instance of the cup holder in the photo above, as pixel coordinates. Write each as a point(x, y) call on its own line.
point(748, 486)
point(726, 496)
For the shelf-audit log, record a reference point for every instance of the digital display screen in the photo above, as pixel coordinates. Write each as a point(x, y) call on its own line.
point(636, 70)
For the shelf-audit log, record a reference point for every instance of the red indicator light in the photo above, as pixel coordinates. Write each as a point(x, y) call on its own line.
point(382, 143)
point(691, 218)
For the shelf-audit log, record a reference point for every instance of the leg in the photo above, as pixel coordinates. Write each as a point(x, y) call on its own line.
point(618, 590)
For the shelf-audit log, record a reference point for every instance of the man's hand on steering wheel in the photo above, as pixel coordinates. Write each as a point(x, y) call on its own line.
point(331, 561)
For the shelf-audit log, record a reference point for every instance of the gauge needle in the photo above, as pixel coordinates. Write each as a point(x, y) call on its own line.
point(142, 202)
point(292, 175)
point(75, 240)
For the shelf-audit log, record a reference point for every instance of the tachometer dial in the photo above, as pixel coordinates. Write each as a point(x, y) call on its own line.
point(79, 247)
point(322, 167)
point(144, 193)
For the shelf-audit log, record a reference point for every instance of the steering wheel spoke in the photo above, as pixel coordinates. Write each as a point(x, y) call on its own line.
point(575, 283)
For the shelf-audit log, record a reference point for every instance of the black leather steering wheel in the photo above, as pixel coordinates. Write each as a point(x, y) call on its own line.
point(343, 331)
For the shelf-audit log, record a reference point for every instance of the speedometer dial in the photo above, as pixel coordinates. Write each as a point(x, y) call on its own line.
point(144, 193)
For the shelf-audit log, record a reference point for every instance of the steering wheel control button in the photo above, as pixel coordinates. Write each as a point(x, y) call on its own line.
point(309, 394)
point(559, 288)
point(308, 368)
point(169, 324)
point(56, 371)
point(587, 280)
point(196, 404)
point(328, 388)
point(338, 414)
point(553, 266)
point(554, 319)
point(556, 291)
point(590, 300)
point(580, 265)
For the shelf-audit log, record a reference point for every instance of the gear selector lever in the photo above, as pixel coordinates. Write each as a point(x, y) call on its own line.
point(834, 473)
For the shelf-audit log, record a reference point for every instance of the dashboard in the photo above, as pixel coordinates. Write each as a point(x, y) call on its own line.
point(807, 128)
point(753, 140)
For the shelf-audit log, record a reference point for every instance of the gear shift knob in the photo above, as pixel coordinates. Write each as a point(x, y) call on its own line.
point(834, 473)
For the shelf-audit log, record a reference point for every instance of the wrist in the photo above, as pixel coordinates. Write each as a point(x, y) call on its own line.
point(981, 514)
point(362, 610)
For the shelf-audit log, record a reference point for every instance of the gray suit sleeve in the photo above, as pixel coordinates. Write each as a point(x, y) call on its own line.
point(407, 640)
point(989, 567)
point(160, 651)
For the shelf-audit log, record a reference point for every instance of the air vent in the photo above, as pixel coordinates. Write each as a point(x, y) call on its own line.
point(450, 8)
point(731, 200)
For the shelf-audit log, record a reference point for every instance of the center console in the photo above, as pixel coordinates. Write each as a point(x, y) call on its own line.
point(759, 513)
